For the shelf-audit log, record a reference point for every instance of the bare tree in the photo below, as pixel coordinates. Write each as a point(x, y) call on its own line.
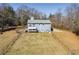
point(73, 17)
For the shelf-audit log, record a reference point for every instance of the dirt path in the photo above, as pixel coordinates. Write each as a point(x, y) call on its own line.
point(6, 39)
point(12, 43)
point(57, 30)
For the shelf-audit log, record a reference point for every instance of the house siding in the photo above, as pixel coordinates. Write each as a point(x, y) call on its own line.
point(45, 27)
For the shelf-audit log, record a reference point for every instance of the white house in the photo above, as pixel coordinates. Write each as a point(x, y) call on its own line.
point(39, 25)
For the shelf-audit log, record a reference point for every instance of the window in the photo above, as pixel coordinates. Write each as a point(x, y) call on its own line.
point(31, 25)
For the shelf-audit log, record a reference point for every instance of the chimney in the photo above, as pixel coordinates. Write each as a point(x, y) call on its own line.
point(32, 18)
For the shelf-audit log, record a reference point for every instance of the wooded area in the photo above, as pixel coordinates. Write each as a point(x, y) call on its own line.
point(10, 17)
point(69, 21)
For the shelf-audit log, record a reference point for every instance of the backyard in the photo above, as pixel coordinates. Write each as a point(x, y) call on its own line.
point(57, 42)
point(57, 27)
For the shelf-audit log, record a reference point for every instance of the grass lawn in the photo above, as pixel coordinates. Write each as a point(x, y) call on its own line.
point(46, 43)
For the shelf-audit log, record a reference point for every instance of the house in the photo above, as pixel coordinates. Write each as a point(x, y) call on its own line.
point(39, 25)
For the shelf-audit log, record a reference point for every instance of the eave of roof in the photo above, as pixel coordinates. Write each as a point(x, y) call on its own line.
point(39, 21)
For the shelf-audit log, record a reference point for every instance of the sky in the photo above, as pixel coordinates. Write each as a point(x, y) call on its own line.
point(45, 8)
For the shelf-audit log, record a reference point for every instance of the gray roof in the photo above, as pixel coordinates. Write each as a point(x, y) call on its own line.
point(39, 21)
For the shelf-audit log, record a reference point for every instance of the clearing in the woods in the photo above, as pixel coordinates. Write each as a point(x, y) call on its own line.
point(57, 42)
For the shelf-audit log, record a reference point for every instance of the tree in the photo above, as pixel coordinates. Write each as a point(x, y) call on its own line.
point(58, 16)
point(73, 17)
point(22, 14)
point(7, 16)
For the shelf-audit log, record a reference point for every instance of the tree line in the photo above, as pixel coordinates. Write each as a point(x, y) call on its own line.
point(10, 17)
point(69, 21)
